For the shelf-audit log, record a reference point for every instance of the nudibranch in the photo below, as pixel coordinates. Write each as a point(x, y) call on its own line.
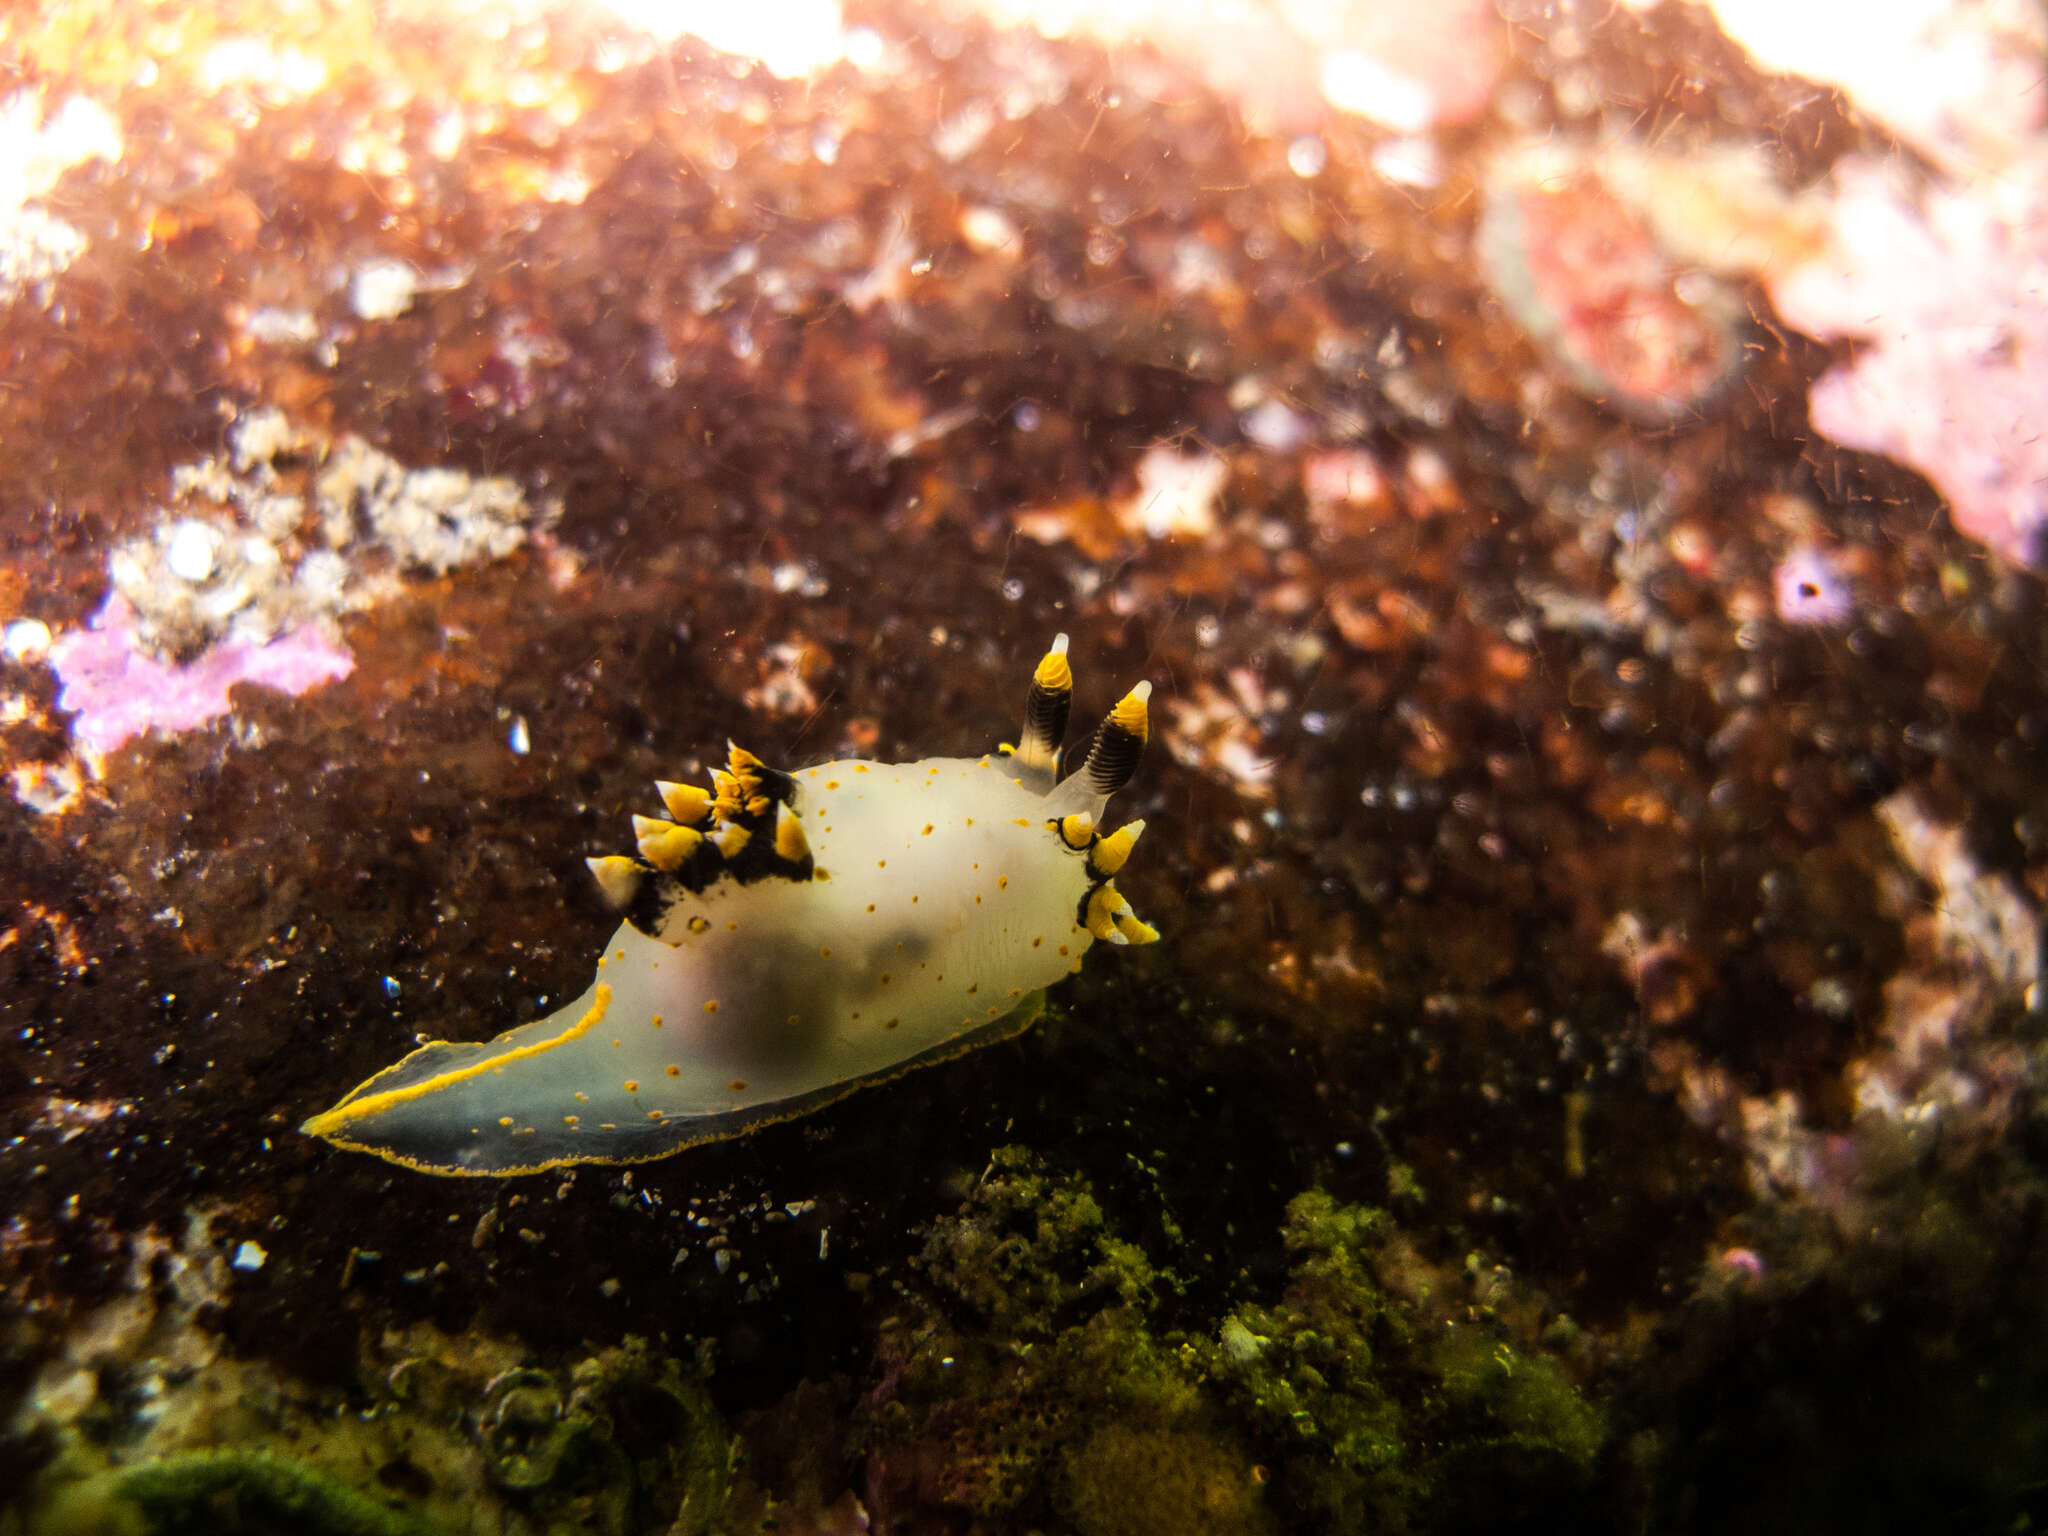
point(788, 938)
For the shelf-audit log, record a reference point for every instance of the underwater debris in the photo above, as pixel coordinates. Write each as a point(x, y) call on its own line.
point(1219, 732)
point(1176, 493)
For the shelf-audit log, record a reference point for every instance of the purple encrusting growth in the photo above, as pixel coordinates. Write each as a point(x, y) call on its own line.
point(117, 690)
point(1810, 589)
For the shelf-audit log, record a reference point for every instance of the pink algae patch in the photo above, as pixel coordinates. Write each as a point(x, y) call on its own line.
point(116, 690)
point(1944, 291)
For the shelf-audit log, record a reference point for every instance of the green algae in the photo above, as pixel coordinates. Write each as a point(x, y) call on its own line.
point(443, 1434)
point(1379, 1416)
point(1031, 1251)
point(217, 1493)
point(1310, 1375)
point(1028, 1388)
point(1032, 1383)
point(1141, 1479)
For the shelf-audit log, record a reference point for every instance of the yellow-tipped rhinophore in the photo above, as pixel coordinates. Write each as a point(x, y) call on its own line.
point(1109, 853)
point(1119, 743)
point(1045, 715)
point(790, 842)
point(618, 879)
point(687, 803)
point(1131, 714)
point(1054, 674)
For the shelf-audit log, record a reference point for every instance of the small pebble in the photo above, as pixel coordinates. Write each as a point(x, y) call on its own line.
point(383, 290)
point(190, 555)
point(25, 639)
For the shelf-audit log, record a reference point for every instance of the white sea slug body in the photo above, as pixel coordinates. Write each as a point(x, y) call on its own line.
point(789, 937)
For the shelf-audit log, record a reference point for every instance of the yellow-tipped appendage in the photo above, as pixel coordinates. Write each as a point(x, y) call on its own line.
point(1135, 929)
point(618, 879)
point(790, 842)
point(687, 803)
point(664, 844)
point(1110, 852)
point(1105, 908)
